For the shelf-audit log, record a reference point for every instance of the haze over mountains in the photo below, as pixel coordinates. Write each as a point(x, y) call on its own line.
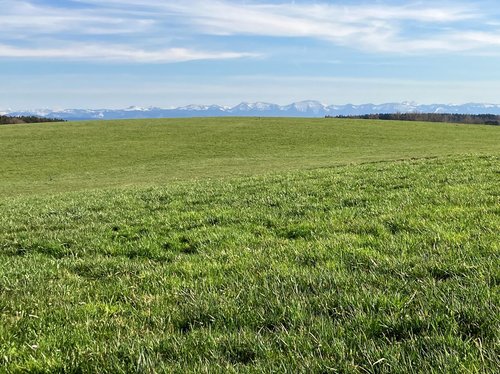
point(307, 108)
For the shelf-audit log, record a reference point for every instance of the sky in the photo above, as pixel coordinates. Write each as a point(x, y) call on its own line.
point(118, 53)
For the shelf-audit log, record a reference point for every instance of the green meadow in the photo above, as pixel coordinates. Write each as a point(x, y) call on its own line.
point(64, 157)
point(249, 245)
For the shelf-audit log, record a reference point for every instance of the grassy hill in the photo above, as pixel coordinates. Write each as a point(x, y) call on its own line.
point(249, 245)
point(70, 156)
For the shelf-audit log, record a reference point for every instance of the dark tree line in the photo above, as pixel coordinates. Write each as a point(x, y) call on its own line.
point(10, 120)
point(480, 119)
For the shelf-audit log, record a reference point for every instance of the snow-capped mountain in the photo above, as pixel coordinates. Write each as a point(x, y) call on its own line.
point(307, 108)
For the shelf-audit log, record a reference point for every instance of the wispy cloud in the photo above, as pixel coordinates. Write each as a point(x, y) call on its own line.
point(118, 53)
point(376, 28)
point(100, 33)
point(129, 30)
point(20, 18)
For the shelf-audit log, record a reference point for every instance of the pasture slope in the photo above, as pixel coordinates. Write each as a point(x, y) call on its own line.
point(63, 157)
point(249, 245)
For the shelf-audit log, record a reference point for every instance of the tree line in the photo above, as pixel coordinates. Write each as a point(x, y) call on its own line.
point(479, 119)
point(11, 120)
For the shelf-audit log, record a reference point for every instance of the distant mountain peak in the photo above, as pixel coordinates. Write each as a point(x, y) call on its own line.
point(305, 108)
point(138, 108)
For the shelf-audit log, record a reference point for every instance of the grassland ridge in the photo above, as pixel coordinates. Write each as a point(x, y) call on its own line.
point(50, 158)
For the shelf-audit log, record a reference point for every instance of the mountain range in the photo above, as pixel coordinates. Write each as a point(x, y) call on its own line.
point(307, 108)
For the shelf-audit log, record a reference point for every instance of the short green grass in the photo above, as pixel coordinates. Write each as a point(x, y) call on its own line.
point(382, 265)
point(69, 156)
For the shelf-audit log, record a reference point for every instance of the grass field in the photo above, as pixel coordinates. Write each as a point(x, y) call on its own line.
point(73, 156)
point(260, 246)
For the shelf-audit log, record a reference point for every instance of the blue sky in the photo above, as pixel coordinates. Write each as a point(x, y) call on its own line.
point(118, 53)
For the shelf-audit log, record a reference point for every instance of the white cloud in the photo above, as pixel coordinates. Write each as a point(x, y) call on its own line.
point(95, 33)
point(143, 30)
point(369, 27)
point(20, 18)
point(113, 53)
point(376, 28)
point(478, 37)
